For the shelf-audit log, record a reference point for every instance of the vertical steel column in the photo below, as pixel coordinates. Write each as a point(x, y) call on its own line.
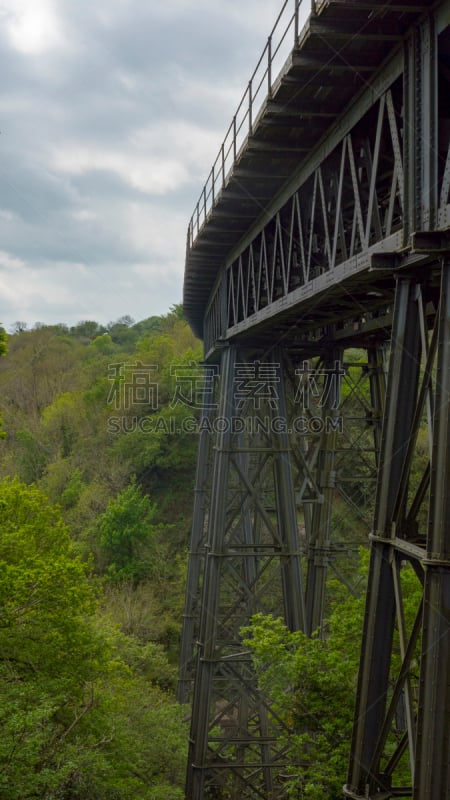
point(320, 543)
point(191, 615)
point(404, 367)
point(428, 124)
point(421, 128)
point(292, 579)
point(198, 744)
point(410, 143)
point(376, 359)
point(432, 775)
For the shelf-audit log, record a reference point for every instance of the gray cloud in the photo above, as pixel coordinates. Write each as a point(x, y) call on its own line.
point(110, 116)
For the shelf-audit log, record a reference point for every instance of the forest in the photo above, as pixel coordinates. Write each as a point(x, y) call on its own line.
point(94, 526)
point(97, 470)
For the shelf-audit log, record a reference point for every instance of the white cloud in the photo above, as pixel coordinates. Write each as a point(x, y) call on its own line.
point(33, 25)
point(10, 262)
point(7, 216)
point(156, 232)
point(84, 214)
point(31, 289)
point(151, 162)
point(149, 175)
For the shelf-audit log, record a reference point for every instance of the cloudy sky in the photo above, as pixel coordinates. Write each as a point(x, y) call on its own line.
point(111, 114)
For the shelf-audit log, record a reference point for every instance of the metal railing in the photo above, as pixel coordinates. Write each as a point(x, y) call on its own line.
point(259, 88)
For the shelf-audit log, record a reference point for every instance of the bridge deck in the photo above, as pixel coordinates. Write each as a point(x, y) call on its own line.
point(334, 59)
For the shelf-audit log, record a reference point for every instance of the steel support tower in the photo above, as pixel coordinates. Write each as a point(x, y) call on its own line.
point(324, 229)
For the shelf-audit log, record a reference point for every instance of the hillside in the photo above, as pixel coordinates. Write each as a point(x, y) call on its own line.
point(97, 480)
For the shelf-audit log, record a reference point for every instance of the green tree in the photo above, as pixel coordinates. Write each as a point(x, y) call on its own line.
point(311, 683)
point(2, 352)
point(49, 654)
point(127, 536)
point(87, 329)
point(84, 710)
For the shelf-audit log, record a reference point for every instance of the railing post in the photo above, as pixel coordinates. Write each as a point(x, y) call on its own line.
point(234, 138)
point(296, 3)
point(223, 163)
point(269, 66)
point(204, 200)
point(250, 108)
point(213, 185)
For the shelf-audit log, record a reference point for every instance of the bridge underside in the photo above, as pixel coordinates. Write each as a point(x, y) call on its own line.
point(320, 281)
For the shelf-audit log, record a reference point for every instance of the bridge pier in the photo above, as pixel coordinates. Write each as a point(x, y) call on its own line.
point(262, 541)
point(376, 650)
point(406, 532)
point(251, 563)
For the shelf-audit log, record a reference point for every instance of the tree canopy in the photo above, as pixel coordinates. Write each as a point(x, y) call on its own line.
point(82, 711)
point(92, 560)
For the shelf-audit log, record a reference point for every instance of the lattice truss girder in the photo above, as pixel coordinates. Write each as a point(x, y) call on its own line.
point(386, 177)
point(353, 200)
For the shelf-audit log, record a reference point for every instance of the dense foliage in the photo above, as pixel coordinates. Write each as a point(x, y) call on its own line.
point(94, 522)
point(84, 709)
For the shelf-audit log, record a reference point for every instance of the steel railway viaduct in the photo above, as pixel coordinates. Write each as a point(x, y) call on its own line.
point(323, 232)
